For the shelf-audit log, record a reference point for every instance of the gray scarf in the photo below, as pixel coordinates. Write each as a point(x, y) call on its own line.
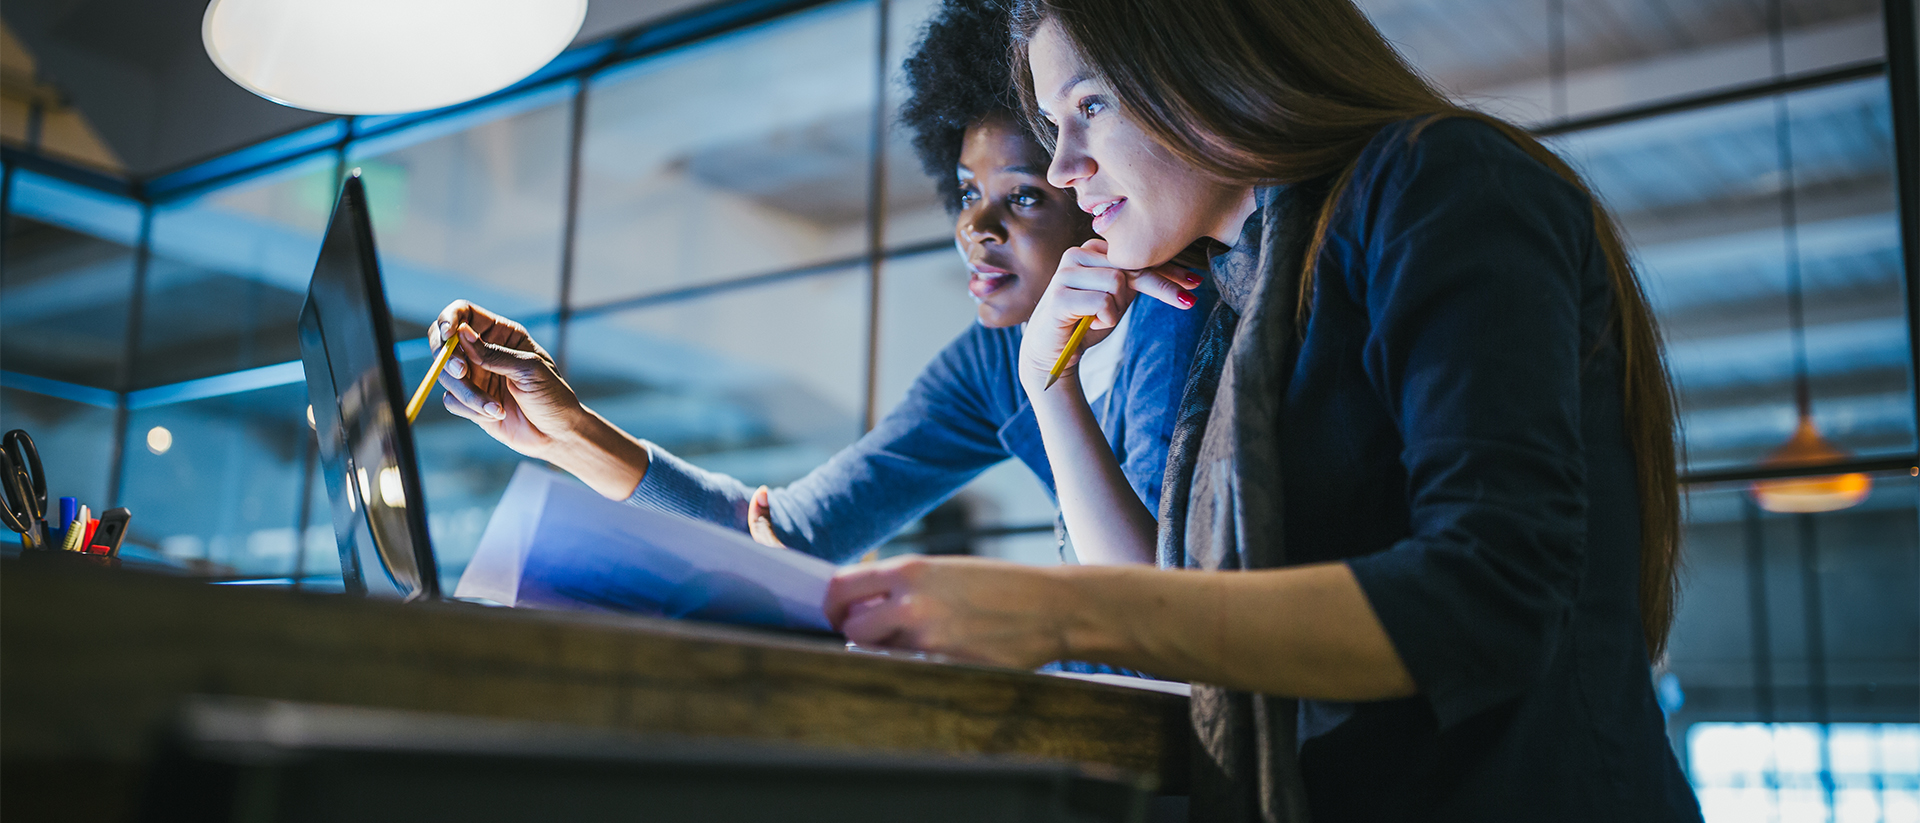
point(1221, 505)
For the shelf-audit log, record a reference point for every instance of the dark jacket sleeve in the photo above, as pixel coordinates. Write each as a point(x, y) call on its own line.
point(1468, 258)
point(940, 437)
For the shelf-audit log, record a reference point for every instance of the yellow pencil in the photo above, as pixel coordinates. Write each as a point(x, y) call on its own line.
point(1073, 344)
point(433, 374)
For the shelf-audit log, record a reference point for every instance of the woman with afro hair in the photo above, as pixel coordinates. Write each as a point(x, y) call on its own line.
point(965, 412)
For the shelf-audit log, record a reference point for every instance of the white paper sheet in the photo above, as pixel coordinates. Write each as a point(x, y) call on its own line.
point(553, 543)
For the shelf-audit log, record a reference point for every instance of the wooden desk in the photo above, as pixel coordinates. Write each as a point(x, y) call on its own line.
point(92, 662)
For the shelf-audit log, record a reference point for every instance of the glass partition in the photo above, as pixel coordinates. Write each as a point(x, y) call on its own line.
point(762, 383)
point(915, 215)
point(1699, 196)
point(75, 440)
point(228, 275)
point(66, 284)
point(733, 157)
point(472, 208)
point(215, 484)
point(1545, 61)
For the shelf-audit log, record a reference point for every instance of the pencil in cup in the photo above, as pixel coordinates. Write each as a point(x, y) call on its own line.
point(1073, 345)
point(433, 374)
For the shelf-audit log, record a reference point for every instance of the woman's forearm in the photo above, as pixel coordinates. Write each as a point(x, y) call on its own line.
point(1306, 631)
point(609, 460)
point(1104, 516)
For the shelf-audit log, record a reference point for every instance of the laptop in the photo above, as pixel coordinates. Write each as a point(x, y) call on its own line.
point(359, 402)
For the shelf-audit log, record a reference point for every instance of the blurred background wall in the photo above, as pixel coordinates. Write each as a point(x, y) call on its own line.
point(692, 208)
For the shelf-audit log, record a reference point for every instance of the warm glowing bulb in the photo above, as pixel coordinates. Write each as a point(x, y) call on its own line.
point(366, 489)
point(159, 440)
point(310, 424)
point(1809, 495)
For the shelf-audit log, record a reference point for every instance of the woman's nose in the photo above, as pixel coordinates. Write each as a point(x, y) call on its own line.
point(983, 226)
point(1071, 164)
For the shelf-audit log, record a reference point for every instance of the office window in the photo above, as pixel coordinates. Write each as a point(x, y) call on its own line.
point(1799, 617)
point(228, 275)
point(1543, 61)
point(471, 207)
point(1792, 772)
point(1699, 196)
point(75, 440)
point(65, 295)
point(915, 217)
point(733, 157)
point(924, 306)
point(215, 483)
point(762, 383)
point(66, 282)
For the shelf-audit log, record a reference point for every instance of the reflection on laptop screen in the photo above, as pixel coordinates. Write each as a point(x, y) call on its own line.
point(359, 413)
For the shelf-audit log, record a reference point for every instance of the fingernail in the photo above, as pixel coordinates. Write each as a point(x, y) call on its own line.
point(456, 368)
point(467, 334)
point(1186, 299)
point(493, 410)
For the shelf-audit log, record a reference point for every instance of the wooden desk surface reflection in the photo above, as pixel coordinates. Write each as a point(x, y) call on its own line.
point(92, 662)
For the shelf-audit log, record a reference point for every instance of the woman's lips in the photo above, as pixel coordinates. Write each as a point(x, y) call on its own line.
point(986, 280)
point(1105, 213)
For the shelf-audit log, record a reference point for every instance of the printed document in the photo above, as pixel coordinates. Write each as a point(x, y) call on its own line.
point(553, 543)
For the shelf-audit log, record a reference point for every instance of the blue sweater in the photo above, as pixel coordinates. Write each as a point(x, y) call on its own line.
point(964, 413)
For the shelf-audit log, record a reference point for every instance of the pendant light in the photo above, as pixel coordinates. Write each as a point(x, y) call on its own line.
point(384, 56)
point(1799, 495)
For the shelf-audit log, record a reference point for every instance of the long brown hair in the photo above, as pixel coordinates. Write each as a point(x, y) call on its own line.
point(1288, 91)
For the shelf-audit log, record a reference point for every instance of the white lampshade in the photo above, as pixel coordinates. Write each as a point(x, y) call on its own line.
point(384, 56)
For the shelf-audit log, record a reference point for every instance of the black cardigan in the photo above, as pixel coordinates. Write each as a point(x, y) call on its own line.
point(1450, 426)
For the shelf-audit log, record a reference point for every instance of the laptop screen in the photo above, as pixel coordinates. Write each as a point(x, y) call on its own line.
point(359, 413)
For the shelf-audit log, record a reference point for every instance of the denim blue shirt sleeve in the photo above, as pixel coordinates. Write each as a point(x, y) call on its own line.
point(964, 413)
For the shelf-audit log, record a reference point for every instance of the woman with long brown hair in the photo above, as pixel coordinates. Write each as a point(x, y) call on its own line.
point(1421, 485)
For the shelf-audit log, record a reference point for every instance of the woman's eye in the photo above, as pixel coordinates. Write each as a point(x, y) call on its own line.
point(1092, 106)
point(968, 195)
point(1024, 198)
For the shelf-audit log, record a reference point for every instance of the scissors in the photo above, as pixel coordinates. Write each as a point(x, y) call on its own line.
point(25, 485)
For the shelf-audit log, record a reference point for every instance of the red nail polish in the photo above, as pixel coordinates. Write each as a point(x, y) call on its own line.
point(1186, 299)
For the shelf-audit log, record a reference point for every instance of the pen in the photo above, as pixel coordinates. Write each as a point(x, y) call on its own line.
point(1073, 343)
point(420, 394)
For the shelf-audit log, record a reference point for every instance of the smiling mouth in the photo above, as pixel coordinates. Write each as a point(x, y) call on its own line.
point(985, 283)
point(1104, 213)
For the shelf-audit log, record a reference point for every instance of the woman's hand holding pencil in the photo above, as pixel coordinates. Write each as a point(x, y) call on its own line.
point(1083, 304)
point(503, 381)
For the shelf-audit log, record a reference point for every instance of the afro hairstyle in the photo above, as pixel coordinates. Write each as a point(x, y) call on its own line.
point(959, 75)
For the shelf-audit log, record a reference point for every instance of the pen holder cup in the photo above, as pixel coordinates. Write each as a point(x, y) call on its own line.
point(55, 558)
